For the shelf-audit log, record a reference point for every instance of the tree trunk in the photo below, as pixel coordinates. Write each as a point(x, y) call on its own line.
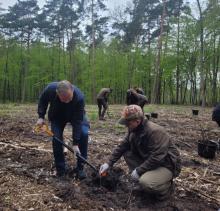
point(171, 90)
point(157, 83)
point(202, 75)
point(150, 63)
point(215, 72)
point(93, 56)
point(64, 57)
point(178, 53)
point(185, 91)
point(26, 62)
point(6, 80)
point(164, 92)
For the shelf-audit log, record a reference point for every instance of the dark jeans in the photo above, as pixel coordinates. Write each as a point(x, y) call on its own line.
point(57, 129)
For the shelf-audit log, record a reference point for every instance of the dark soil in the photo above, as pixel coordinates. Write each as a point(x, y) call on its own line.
point(26, 166)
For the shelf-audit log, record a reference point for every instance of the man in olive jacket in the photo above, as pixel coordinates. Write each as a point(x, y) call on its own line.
point(149, 153)
point(102, 101)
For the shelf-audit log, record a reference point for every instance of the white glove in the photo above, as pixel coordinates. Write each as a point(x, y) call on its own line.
point(134, 175)
point(40, 121)
point(76, 149)
point(103, 168)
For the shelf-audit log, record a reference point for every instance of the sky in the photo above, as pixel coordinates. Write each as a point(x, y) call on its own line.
point(112, 4)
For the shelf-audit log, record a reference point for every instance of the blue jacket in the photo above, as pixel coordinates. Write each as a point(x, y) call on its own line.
point(73, 112)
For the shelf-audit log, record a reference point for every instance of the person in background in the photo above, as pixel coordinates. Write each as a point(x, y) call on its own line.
point(133, 97)
point(102, 102)
point(139, 90)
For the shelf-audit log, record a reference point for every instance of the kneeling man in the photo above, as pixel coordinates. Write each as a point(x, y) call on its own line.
point(149, 153)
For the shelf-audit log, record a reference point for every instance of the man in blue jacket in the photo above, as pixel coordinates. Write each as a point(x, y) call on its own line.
point(216, 114)
point(66, 105)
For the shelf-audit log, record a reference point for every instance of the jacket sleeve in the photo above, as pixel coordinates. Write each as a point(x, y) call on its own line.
point(158, 149)
point(43, 102)
point(142, 98)
point(77, 121)
point(106, 93)
point(119, 151)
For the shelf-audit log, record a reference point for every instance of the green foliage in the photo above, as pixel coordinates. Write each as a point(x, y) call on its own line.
point(37, 47)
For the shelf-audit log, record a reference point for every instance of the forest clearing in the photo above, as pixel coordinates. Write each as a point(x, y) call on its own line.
point(110, 105)
point(26, 163)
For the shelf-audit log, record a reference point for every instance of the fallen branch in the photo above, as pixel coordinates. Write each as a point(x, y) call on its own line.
point(209, 181)
point(201, 194)
point(183, 143)
point(21, 147)
point(205, 172)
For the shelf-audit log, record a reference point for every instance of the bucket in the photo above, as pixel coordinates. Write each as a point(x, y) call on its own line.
point(147, 116)
point(207, 149)
point(154, 115)
point(195, 112)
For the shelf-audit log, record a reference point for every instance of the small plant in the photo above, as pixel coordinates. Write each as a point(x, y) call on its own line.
point(203, 134)
point(206, 147)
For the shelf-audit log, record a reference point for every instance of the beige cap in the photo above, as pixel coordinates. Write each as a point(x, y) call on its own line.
point(131, 112)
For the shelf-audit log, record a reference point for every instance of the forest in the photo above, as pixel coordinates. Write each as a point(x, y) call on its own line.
point(149, 72)
point(170, 48)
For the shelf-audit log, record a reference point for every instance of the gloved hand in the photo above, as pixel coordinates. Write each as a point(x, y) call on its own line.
point(103, 168)
point(76, 149)
point(40, 121)
point(134, 175)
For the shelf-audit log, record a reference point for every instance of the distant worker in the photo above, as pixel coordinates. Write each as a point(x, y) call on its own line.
point(102, 101)
point(139, 90)
point(133, 97)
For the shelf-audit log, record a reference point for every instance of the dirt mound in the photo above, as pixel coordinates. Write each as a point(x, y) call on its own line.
point(110, 181)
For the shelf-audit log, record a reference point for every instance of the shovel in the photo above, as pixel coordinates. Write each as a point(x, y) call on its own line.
point(44, 128)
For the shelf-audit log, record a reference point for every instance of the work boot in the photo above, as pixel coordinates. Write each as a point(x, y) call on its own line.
point(81, 175)
point(62, 172)
point(169, 194)
point(103, 114)
point(138, 190)
point(59, 174)
point(101, 118)
point(78, 173)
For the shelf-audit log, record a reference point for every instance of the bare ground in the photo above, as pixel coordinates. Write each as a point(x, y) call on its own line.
point(26, 162)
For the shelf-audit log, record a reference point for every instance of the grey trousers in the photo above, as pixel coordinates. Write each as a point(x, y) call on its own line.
point(157, 182)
